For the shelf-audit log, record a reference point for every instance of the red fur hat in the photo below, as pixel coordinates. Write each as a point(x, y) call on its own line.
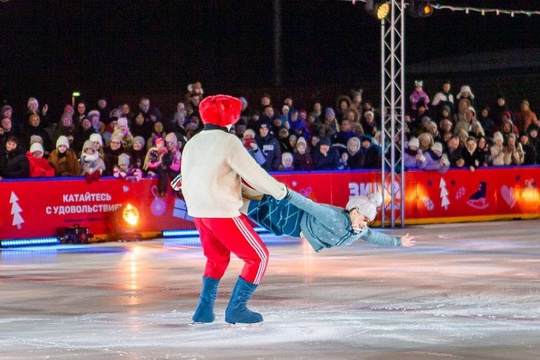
point(221, 110)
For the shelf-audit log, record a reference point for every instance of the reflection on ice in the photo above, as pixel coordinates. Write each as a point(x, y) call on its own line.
point(467, 291)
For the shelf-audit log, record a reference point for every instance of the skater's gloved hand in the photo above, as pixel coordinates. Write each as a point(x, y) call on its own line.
point(407, 241)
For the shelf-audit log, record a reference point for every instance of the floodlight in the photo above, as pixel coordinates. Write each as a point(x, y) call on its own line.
point(126, 223)
point(420, 9)
point(378, 9)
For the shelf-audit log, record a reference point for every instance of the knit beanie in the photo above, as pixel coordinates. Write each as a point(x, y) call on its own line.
point(36, 147)
point(171, 137)
point(325, 140)
point(36, 138)
point(437, 147)
point(88, 145)
point(93, 113)
point(32, 101)
point(301, 141)
point(96, 138)
point(414, 142)
point(122, 122)
point(285, 156)
point(69, 109)
point(221, 110)
point(139, 139)
point(123, 159)
point(366, 205)
point(248, 132)
point(62, 140)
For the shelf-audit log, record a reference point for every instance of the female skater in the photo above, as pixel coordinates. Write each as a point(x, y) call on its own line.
point(322, 225)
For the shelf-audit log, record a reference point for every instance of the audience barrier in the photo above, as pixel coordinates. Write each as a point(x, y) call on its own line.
point(40, 207)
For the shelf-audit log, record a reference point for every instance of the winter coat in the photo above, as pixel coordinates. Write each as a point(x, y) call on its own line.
point(39, 167)
point(514, 156)
point(497, 155)
point(132, 174)
point(328, 162)
point(14, 165)
point(111, 159)
point(530, 154)
point(410, 159)
point(91, 164)
point(302, 162)
point(153, 158)
point(65, 164)
point(271, 151)
point(433, 162)
point(471, 159)
point(372, 157)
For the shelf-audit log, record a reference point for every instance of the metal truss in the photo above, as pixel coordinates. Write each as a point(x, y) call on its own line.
point(393, 114)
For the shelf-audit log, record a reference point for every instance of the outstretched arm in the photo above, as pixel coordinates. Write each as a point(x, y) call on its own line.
point(382, 239)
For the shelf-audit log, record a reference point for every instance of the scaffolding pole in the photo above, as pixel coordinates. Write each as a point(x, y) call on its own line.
point(393, 114)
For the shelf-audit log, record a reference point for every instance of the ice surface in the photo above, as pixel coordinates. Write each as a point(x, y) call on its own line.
point(467, 291)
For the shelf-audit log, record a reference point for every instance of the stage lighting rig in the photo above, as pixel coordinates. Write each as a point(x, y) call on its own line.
point(378, 9)
point(420, 9)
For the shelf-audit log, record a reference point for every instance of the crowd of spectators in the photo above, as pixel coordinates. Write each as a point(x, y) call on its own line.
point(451, 130)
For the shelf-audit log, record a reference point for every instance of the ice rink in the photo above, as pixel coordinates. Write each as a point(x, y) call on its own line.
point(466, 291)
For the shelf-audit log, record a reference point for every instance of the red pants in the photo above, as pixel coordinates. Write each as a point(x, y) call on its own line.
point(221, 236)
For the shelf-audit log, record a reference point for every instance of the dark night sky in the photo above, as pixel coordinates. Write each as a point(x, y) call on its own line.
point(50, 48)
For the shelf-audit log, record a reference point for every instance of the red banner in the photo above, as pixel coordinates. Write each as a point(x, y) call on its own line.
point(38, 208)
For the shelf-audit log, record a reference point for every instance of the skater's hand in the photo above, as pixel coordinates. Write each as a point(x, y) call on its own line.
point(407, 241)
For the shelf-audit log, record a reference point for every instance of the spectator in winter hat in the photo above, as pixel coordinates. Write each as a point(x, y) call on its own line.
point(330, 124)
point(95, 117)
point(97, 140)
point(68, 109)
point(465, 93)
point(497, 149)
point(92, 166)
point(125, 170)
point(138, 152)
point(327, 157)
point(329, 112)
point(417, 95)
point(436, 159)
point(171, 160)
point(286, 162)
point(36, 139)
point(513, 151)
point(154, 156)
point(372, 156)
point(39, 166)
point(122, 130)
point(413, 157)
point(302, 157)
point(83, 133)
point(63, 159)
point(525, 117)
